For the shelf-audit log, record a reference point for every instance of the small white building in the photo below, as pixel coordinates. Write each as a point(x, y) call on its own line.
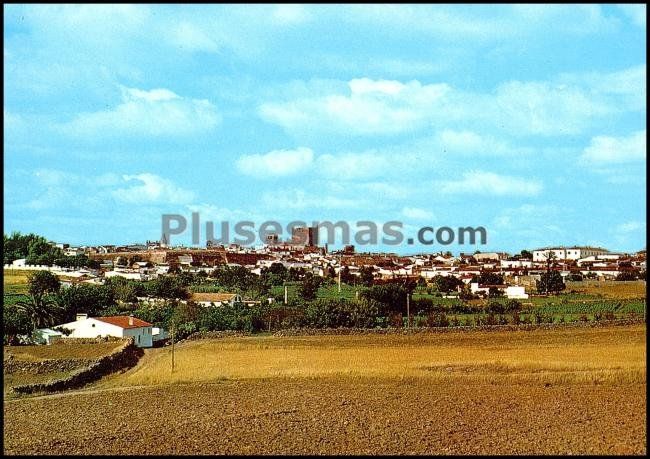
point(46, 336)
point(216, 299)
point(516, 292)
point(118, 326)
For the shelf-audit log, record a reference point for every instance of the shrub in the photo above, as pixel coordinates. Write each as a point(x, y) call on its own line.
point(437, 319)
point(516, 319)
point(495, 307)
point(395, 320)
point(512, 306)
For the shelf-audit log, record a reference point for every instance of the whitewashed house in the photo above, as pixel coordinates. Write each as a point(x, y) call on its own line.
point(216, 299)
point(516, 292)
point(118, 326)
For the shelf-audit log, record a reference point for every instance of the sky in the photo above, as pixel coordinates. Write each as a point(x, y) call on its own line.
point(527, 120)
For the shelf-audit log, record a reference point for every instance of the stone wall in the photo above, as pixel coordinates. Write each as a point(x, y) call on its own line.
point(13, 365)
point(126, 356)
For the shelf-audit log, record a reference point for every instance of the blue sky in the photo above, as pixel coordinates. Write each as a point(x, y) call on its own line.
point(527, 120)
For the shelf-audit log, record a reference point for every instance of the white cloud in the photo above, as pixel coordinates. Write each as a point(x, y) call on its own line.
point(158, 112)
point(479, 182)
point(276, 162)
point(370, 107)
point(152, 189)
point(544, 108)
point(416, 213)
point(567, 105)
point(605, 149)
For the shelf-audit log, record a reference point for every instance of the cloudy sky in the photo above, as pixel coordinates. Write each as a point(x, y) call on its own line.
point(527, 120)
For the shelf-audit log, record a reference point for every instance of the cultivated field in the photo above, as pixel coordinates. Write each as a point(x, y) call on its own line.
point(566, 390)
point(609, 289)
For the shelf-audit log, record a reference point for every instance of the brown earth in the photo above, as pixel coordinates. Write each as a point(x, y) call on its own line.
point(559, 391)
point(332, 416)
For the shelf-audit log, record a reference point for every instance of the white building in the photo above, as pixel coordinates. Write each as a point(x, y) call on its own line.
point(133, 275)
point(566, 253)
point(46, 336)
point(516, 264)
point(216, 299)
point(118, 326)
point(516, 292)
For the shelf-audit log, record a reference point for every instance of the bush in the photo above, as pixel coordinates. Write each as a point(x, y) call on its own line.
point(512, 306)
point(515, 318)
point(395, 320)
point(495, 307)
point(436, 319)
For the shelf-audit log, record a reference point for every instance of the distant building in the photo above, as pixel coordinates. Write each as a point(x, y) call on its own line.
point(307, 236)
point(487, 256)
point(216, 299)
point(272, 239)
point(566, 253)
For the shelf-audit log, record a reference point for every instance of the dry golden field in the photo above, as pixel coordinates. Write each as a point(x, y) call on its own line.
point(609, 289)
point(564, 391)
point(562, 355)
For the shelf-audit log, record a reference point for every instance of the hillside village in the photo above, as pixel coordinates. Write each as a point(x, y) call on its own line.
point(254, 282)
point(153, 259)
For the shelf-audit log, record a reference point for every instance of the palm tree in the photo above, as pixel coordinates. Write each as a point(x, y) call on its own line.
point(41, 310)
point(40, 307)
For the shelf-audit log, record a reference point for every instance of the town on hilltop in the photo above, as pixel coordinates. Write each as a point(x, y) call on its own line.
point(154, 258)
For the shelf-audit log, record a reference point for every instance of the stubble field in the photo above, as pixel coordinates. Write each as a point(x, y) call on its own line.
point(566, 390)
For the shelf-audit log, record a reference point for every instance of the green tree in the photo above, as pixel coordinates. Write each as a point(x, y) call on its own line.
point(447, 284)
point(526, 254)
point(627, 275)
point(35, 249)
point(93, 300)
point(14, 322)
point(391, 298)
point(346, 276)
point(494, 292)
point(550, 282)
point(40, 307)
point(309, 286)
point(488, 278)
point(366, 276)
point(167, 287)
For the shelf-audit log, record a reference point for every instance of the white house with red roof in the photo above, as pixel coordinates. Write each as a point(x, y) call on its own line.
point(118, 326)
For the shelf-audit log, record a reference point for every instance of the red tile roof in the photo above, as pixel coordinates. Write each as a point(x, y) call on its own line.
point(123, 321)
